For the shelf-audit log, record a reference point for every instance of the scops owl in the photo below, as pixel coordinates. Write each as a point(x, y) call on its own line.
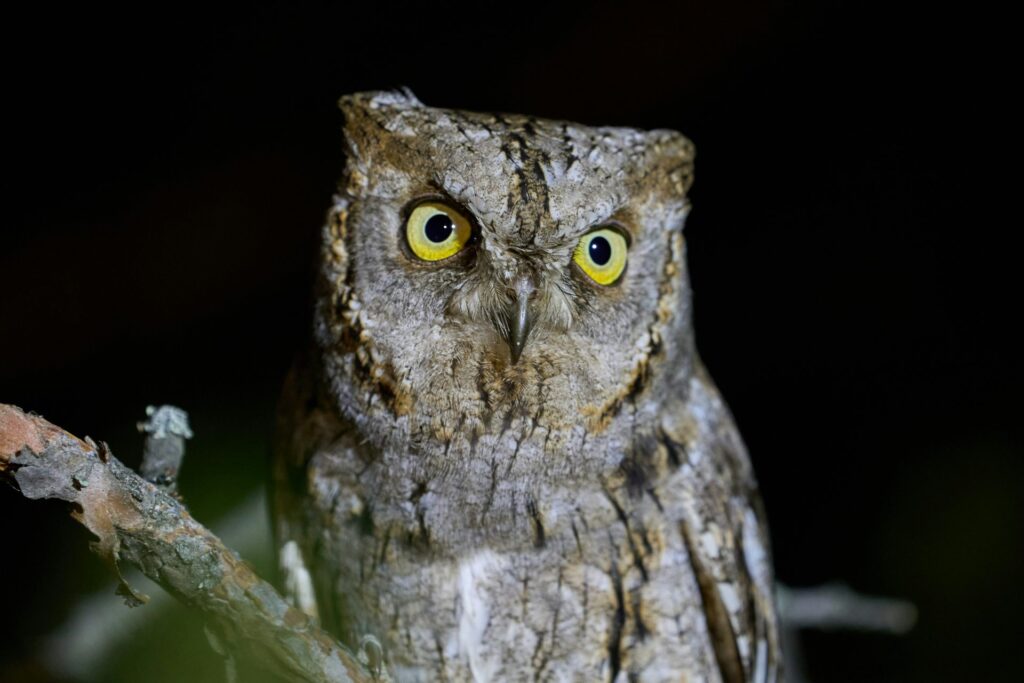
point(502, 459)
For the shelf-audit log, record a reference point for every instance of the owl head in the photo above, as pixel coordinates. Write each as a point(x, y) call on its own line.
point(481, 270)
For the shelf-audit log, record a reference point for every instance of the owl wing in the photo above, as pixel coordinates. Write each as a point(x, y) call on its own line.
point(306, 425)
point(724, 529)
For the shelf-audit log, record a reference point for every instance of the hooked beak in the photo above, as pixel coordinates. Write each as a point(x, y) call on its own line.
point(520, 318)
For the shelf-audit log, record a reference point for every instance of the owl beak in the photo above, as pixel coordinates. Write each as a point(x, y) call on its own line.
point(520, 319)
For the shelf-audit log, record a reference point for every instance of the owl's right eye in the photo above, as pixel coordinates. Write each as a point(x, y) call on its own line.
point(435, 231)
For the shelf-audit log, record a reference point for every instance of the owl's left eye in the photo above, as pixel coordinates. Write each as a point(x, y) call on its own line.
point(436, 231)
point(601, 254)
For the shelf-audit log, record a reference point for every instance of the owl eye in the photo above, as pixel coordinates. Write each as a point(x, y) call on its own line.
point(601, 254)
point(436, 231)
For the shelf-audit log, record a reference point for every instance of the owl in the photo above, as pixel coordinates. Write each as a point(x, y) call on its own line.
point(501, 458)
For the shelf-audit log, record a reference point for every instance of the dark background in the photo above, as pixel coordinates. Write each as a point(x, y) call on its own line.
point(167, 171)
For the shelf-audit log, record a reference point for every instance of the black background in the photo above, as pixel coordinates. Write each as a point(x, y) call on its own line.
point(167, 171)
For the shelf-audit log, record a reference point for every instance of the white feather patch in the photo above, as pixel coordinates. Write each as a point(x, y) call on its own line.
point(754, 553)
point(298, 583)
point(475, 611)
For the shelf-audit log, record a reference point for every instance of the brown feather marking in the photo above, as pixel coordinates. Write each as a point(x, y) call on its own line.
point(723, 640)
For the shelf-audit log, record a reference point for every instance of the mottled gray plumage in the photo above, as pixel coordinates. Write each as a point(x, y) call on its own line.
point(585, 512)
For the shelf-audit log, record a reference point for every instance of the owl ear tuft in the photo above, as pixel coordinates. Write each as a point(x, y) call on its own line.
point(376, 100)
point(672, 154)
point(367, 114)
point(369, 119)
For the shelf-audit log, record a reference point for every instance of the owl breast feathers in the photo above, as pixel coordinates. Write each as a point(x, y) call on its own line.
point(501, 458)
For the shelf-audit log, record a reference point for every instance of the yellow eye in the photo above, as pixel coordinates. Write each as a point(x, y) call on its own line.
point(601, 254)
point(436, 231)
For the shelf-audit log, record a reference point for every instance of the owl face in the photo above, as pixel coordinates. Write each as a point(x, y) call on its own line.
point(482, 267)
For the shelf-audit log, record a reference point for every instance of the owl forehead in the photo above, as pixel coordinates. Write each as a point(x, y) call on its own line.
point(532, 182)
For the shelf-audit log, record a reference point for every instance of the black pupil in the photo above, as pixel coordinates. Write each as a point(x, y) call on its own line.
point(439, 227)
point(600, 251)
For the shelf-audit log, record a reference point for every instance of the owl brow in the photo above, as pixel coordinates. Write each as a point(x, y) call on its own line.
point(613, 219)
point(463, 202)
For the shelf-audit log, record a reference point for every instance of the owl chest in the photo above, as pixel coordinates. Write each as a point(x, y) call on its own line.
point(571, 583)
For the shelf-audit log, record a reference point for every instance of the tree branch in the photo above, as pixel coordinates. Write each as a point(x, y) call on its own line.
point(137, 524)
point(834, 606)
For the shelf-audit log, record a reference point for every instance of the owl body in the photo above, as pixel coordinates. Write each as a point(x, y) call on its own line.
point(495, 463)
